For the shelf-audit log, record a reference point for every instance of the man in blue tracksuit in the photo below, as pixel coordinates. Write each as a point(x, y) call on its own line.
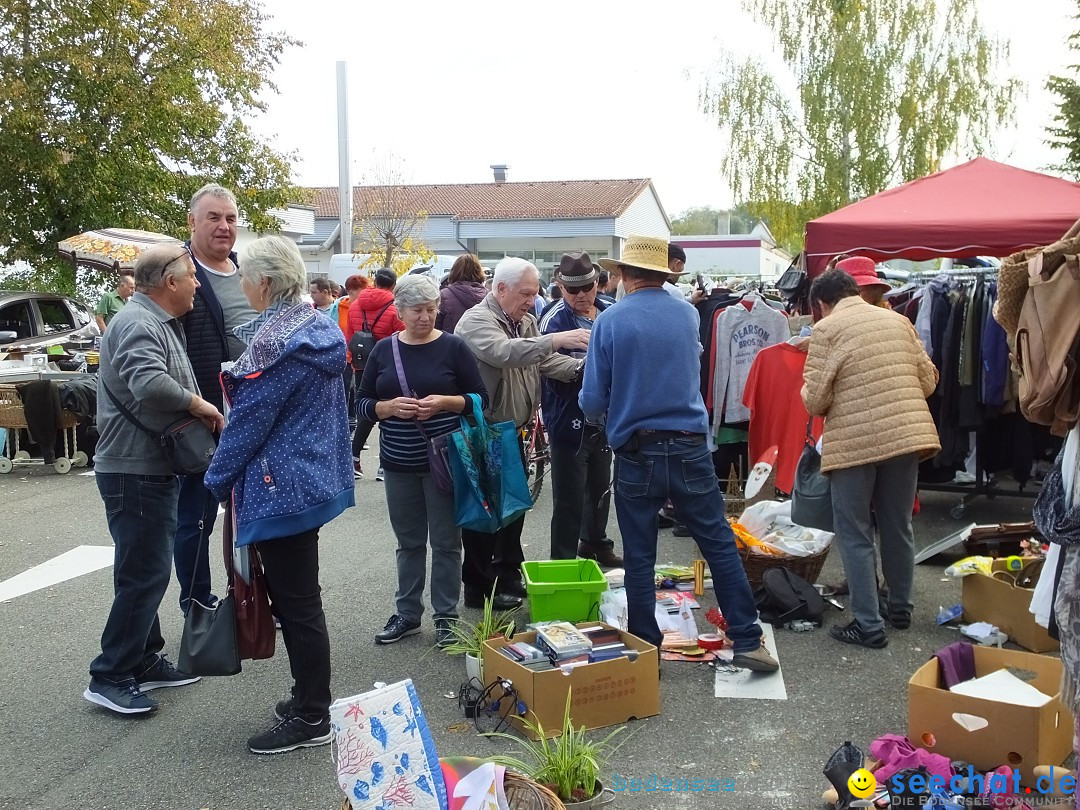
point(643, 372)
point(580, 456)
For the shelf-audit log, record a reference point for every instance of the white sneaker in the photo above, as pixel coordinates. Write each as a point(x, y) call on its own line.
point(379, 474)
point(963, 477)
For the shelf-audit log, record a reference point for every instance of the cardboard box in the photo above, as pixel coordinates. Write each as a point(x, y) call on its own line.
point(604, 693)
point(1019, 736)
point(998, 601)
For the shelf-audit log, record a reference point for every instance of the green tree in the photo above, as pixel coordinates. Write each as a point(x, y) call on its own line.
point(113, 112)
point(697, 221)
point(884, 90)
point(1065, 134)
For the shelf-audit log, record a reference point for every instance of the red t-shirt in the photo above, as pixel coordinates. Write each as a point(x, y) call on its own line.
point(777, 413)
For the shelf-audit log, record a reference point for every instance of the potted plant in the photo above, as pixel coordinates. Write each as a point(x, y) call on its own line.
point(569, 765)
point(467, 638)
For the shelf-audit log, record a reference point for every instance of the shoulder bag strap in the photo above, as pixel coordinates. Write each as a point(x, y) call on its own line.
point(381, 313)
point(129, 416)
point(405, 389)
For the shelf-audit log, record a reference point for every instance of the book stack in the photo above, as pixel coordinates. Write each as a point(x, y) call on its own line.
point(606, 643)
point(528, 655)
point(563, 643)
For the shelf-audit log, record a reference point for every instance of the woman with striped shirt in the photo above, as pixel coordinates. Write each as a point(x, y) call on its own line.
point(439, 370)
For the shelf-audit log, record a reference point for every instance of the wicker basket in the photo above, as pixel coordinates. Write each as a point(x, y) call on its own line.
point(522, 793)
point(11, 410)
point(809, 568)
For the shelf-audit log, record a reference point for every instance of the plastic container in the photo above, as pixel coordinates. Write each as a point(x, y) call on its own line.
point(564, 590)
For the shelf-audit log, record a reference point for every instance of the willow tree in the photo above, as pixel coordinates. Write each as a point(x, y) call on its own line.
point(871, 93)
point(1065, 132)
point(112, 113)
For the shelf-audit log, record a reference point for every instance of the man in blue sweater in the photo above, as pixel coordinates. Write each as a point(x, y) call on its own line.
point(643, 372)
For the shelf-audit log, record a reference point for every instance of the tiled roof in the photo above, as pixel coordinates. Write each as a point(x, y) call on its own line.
point(560, 199)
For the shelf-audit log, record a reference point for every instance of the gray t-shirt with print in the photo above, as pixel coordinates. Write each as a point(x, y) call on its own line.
point(234, 307)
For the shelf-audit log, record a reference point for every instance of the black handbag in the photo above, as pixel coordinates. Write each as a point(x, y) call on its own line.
point(811, 497)
point(189, 444)
point(792, 285)
point(208, 645)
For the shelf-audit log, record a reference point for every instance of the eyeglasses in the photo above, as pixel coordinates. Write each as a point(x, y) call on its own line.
point(579, 290)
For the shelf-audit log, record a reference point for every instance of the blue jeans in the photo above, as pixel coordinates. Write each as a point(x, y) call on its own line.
point(141, 512)
point(683, 471)
point(196, 515)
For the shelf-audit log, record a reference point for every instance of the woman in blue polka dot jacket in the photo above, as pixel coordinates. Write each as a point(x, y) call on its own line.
point(285, 457)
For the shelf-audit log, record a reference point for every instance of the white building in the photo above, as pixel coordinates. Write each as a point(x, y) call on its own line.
point(537, 221)
point(737, 254)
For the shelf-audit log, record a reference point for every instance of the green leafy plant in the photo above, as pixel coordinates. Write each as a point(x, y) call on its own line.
point(569, 764)
point(467, 638)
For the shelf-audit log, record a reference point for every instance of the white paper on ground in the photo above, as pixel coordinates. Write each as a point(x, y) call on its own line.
point(1002, 686)
point(742, 683)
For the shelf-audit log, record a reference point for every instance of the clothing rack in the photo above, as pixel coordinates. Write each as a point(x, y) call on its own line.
point(983, 485)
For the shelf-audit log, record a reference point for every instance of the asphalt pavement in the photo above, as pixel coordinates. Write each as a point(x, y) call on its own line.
point(59, 751)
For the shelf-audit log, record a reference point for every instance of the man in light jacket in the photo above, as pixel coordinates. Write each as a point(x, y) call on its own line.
point(501, 331)
point(868, 374)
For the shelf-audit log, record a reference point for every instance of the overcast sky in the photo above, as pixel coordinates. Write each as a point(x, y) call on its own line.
point(562, 90)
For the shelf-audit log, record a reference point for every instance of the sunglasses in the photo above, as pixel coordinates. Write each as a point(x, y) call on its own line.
point(580, 290)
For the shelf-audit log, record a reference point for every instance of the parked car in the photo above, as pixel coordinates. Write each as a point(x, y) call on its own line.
point(42, 319)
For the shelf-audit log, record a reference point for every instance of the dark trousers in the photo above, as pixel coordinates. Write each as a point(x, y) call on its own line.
point(347, 378)
point(360, 437)
point(292, 579)
point(196, 515)
point(491, 557)
point(141, 513)
point(580, 495)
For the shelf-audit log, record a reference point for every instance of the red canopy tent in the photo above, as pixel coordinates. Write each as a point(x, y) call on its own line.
point(980, 208)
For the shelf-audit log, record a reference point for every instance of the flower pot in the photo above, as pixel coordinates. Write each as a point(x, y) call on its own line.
point(602, 798)
point(474, 667)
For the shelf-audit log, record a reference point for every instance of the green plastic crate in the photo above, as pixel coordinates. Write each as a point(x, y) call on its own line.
point(564, 590)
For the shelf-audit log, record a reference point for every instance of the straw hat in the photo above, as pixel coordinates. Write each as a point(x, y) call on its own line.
point(643, 252)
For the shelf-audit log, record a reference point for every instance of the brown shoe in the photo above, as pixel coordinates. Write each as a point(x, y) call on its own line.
point(604, 555)
point(757, 660)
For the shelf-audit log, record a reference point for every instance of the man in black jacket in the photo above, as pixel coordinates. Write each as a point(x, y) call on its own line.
point(220, 306)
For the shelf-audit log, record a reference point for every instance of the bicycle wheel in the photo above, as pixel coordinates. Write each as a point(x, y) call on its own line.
point(538, 461)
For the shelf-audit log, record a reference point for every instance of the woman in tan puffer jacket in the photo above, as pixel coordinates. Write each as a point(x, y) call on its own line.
point(869, 376)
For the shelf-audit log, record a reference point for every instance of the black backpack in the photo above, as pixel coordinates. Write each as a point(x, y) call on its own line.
point(363, 341)
point(786, 597)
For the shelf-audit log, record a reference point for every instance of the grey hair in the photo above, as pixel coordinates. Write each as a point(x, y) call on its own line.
point(155, 262)
point(277, 259)
point(510, 271)
point(414, 291)
point(212, 190)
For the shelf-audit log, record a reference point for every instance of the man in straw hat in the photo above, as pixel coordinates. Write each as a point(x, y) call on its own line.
point(643, 373)
point(580, 456)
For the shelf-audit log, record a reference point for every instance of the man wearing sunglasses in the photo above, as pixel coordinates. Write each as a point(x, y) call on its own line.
point(580, 456)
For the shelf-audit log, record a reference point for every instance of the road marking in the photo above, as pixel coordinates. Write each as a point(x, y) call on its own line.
point(742, 683)
point(80, 560)
point(88, 472)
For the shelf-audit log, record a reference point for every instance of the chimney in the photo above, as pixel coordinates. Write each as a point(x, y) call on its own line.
point(500, 173)
point(345, 191)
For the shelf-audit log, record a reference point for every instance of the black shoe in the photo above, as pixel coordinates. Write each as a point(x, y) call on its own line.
point(396, 629)
point(124, 697)
point(513, 587)
point(665, 521)
point(604, 555)
point(162, 673)
point(853, 634)
point(444, 635)
point(680, 530)
point(283, 709)
point(290, 734)
point(501, 601)
point(899, 619)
